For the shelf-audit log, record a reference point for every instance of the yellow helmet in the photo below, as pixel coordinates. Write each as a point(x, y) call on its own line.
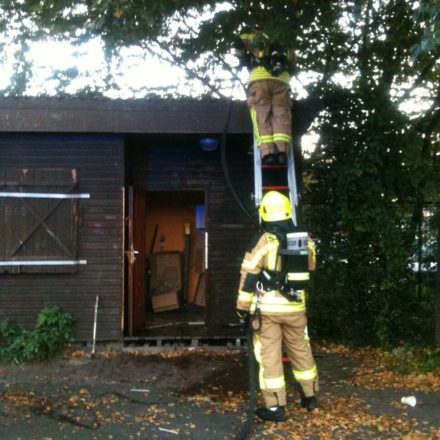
point(275, 207)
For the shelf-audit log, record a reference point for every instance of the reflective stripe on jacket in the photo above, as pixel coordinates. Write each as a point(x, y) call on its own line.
point(271, 303)
point(259, 73)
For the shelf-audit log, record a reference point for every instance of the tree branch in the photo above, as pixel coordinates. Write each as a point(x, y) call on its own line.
point(423, 74)
point(175, 60)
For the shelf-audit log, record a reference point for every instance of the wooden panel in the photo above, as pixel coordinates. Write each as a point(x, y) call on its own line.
point(122, 116)
point(99, 161)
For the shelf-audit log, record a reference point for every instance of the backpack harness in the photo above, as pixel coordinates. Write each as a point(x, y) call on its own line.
point(294, 275)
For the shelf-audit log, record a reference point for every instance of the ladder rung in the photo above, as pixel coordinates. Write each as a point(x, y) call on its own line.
point(275, 188)
point(268, 166)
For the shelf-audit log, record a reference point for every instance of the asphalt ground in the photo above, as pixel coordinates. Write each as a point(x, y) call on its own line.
point(195, 394)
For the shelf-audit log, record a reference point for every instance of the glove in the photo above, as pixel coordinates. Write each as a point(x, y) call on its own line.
point(244, 317)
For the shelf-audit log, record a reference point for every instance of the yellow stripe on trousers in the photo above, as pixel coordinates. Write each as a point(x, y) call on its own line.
point(306, 375)
point(266, 139)
point(272, 383)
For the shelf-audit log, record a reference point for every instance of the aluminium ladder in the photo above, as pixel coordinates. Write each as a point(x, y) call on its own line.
point(280, 178)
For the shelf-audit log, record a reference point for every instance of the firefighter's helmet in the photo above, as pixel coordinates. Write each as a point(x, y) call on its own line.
point(275, 207)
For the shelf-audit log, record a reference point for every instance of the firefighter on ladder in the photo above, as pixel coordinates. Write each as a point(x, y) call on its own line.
point(282, 318)
point(268, 93)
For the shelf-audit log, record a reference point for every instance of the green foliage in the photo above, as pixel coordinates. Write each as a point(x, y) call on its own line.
point(46, 341)
point(407, 359)
point(428, 15)
point(8, 330)
point(367, 184)
point(362, 209)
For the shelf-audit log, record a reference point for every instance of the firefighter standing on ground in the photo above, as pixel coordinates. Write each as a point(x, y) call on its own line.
point(283, 320)
point(268, 93)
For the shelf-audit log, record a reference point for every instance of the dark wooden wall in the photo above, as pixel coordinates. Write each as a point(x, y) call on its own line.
point(179, 164)
point(99, 161)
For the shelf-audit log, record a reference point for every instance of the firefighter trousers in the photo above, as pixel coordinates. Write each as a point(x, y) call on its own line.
point(270, 107)
point(288, 332)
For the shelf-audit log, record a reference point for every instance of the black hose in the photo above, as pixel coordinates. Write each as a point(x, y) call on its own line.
point(252, 402)
point(247, 425)
point(226, 169)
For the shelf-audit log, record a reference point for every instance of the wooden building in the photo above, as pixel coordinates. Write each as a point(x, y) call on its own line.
point(118, 199)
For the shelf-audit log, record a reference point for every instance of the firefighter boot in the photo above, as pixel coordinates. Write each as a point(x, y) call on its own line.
point(273, 414)
point(282, 158)
point(269, 156)
point(269, 159)
point(310, 403)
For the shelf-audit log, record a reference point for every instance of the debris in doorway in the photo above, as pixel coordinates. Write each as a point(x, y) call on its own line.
point(200, 298)
point(166, 280)
point(148, 268)
point(162, 243)
point(186, 252)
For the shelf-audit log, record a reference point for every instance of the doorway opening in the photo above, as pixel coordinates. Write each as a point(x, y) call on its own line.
point(168, 293)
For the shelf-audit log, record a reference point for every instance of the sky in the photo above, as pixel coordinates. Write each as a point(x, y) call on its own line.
point(137, 73)
point(134, 76)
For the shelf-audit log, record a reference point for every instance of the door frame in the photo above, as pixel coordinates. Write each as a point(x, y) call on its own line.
point(134, 260)
point(132, 307)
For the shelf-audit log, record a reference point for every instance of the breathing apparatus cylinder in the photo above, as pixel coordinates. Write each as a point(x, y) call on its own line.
point(296, 260)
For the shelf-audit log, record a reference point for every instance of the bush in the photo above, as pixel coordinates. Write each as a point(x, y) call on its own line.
point(407, 359)
point(46, 341)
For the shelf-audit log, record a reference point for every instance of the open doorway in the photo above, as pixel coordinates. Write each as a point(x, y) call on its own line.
point(175, 267)
point(169, 233)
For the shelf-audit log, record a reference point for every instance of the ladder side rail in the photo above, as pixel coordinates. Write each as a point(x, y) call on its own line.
point(258, 191)
point(293, 189)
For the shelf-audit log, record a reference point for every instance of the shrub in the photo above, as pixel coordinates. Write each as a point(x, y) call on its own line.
point(407, 359)
point(46, 341)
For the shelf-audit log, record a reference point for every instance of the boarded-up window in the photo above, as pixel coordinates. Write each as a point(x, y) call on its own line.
point(38, 220)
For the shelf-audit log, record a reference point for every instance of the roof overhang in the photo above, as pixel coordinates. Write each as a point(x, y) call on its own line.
point(82, 115)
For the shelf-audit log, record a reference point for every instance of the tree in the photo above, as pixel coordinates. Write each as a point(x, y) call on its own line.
point(372, 175)
point(370, 75)
point(196, 35)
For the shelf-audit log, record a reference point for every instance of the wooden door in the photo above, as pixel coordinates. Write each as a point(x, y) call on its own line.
point(135, 254)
